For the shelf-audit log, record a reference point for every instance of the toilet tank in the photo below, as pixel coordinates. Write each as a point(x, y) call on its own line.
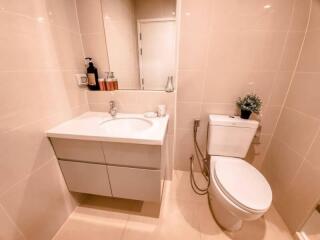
point(230, 136)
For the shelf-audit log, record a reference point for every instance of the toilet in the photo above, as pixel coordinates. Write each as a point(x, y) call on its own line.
point(238, 192)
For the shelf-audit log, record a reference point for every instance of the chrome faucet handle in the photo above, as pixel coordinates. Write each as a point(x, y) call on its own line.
point(113, 108)
point(112, 104)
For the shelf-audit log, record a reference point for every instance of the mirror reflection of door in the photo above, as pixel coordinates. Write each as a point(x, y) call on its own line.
point(123, 21)
point(156, 52)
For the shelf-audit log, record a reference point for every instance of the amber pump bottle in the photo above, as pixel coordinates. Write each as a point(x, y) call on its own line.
point(114, 81)
point(92, 74)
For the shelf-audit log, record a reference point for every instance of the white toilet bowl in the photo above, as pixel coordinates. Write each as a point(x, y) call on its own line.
point(238, 192)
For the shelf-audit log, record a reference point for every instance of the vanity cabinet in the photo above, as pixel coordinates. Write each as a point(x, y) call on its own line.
point(135, 183)
point(85, 151)
point(86, 177)
point(123, 170)
point(132, 155)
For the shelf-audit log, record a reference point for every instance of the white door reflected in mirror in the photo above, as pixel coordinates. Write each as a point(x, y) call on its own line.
point(141, 42)
point(157, 52)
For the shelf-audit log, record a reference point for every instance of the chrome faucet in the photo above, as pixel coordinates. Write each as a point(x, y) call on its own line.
point(113, 108)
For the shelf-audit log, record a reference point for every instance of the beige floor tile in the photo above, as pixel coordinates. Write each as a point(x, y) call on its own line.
point(93, 223)
point(182, 215)
point(181, 188)
point(140, 228)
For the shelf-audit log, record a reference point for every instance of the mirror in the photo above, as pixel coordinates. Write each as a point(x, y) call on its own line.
point(141, 42)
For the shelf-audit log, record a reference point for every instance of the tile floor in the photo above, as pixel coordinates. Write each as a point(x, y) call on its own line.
point(182, 215)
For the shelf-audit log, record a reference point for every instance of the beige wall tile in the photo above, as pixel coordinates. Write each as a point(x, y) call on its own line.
point(292, 50)
point(280, 167)
point(280, 88)
point(50, 93)
point(191, 85)
point(300, 15)
point(134, 97)
point(192, 52)
point(304, 95)
point(217, 108)
point(299, 201)
point(8, 229)
point(226, 87)
point(33, 8)
point(185, 148)
point(258, 150)
point(310, 56)
point(22, 155)
point(38, 204)
point(269, 118)
point(273, 15)
point(315, 16)
point(195, 16)
point(314, 153)
point(246, 50)
point(186, 113)
point(297, 130)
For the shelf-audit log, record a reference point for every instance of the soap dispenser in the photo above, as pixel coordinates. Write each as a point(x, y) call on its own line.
point(109, 81)
point(115, 82)
point(92, 74)
point(112, 82)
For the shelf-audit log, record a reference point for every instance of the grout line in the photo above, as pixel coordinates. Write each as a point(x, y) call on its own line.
point(91, 33)
point(12, 222)
point(254, 30)
point(302, 113)
point(205, 66)
point(27, 176)
point(292, 77)
point(45, 20)
point(65, 223)
point(43, 70)
point(42, 119)
point(208, 103)
point(304, 158)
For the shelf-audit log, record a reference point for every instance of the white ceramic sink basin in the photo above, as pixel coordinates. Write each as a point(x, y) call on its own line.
point(126, 124)
point(124, 128)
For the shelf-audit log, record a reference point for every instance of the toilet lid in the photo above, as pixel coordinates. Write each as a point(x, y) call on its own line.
point(242, 183)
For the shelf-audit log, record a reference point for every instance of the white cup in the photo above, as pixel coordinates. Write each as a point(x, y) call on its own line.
point(162, 110)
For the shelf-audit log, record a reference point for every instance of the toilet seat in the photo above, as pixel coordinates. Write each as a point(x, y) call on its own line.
point(242, 184)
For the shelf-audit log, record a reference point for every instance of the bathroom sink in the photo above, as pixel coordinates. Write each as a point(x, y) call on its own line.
point(126, 124)
point(124, 128)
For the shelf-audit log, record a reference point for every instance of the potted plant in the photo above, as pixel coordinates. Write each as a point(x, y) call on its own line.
point(250, 103)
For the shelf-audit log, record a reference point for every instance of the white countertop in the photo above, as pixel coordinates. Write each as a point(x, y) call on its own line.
point(88, 127)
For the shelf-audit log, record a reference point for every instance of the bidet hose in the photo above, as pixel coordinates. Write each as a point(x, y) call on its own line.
point(203, 164)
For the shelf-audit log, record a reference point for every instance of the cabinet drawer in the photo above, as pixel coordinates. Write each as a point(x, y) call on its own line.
point(137, 155)
point(134, 183)
point(86, 177)
point(87, 151)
